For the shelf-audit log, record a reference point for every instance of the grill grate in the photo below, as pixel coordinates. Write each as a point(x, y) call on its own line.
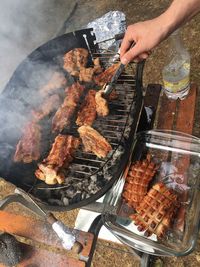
point(88, 177)
point(87, 173)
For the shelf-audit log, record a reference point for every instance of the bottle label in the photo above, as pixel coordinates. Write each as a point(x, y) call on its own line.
point(175, 87)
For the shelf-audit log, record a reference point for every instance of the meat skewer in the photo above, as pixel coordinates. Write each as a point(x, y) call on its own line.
point(62, 118)
point(61, 154)
point(28, 147)
point(87, 112)
point(94, 141)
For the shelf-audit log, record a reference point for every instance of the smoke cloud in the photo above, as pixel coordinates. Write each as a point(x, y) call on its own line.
point(25, 25)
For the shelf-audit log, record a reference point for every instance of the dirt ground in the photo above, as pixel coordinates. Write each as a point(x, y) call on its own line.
point(108, 254)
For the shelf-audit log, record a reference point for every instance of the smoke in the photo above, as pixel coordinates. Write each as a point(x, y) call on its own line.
point(24, 25)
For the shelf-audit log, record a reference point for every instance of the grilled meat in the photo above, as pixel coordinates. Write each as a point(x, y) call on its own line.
point(94, 141)
point(97, 66)
point(56, 82)
point(107, 75)
point(156, 211)
point(61, 154)
point(87, 112)
point(74, 60)
point(28, 147)
point(50, 104)
point(63, 115)
point(136, 185)
point(101, 104)
point(86, 74)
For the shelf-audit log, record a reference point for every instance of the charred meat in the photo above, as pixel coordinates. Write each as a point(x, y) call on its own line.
point(87, 112)
point(101, 104)
point(61, 154)
point(86, 74)
point(28, 147)
point(97, 66)
point(94, 141)
point(56, 82)
point(157, 210)
point(137, 181)
point(74, 60)
point(64, 114)
point(107, 75)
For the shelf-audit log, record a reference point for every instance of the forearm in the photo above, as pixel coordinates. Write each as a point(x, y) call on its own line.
point(179, 12)
point(148, 34)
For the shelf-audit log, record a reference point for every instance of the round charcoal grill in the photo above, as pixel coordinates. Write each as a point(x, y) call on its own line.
point(88, 177)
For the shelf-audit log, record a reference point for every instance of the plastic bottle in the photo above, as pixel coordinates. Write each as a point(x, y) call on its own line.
point(176, 73)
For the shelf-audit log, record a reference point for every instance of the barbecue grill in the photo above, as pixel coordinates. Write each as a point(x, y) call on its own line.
point(88, 177)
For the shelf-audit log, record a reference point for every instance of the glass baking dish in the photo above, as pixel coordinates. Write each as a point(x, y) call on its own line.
point(178, 158)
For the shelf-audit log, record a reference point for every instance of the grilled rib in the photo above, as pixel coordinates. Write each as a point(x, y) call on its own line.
point(107, 75)
point(49, 105)
point(101, 104)
point(94, 141)
point(136, 185)
point(28, 147)
point(156, 211)
point(74, 60)
point(87, 112)
point(86, 74)
point(63, 115)
point(56, 82)
point(61, 154)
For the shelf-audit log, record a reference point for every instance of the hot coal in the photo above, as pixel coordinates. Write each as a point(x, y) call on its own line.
point(10, 250)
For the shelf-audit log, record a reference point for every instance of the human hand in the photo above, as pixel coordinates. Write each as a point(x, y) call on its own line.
point(146, 36)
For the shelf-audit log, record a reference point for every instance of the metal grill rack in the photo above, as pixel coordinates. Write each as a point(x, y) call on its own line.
point(89, 175)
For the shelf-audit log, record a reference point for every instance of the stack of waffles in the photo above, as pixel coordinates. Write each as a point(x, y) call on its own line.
point(155, 208)
point(137, 181)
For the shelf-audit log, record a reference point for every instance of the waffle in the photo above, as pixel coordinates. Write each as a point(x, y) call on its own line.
point(137, 181)
point(156, 211)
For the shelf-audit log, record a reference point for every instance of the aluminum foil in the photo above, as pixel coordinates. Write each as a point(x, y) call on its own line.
point(106, 27)
point(65, 234)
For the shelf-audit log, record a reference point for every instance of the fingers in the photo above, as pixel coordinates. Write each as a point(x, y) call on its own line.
point(126, 44)
point(141, 57)
point(136, 52)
